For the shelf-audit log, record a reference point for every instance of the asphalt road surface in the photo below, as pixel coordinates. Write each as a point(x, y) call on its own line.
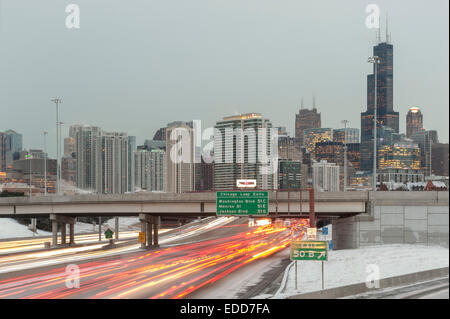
point(173, 271)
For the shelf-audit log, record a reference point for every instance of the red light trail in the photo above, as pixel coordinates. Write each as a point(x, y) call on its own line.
point(172, 272)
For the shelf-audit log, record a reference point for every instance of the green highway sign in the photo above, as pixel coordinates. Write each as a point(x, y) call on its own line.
point(109, 233)
point(309, 250)
point(242, 203)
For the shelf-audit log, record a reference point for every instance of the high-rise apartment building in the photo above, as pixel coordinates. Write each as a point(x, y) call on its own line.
point(386, 116)
point(114, 162)
point(242, 150)
point(88, 146)
point(414, 121)
point(131, 149)
point(181, 157)
point(102, 163)
point(150, 169)
point(325, 177)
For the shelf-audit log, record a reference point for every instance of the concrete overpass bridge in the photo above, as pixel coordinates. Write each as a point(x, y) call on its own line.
point(398, 216)
point(281, 204)
point(150, 207)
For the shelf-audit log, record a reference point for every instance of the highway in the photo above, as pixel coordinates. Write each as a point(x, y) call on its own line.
point(180, 267)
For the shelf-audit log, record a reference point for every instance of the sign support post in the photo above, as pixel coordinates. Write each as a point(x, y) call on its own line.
point(309, 250)
point(323, 282)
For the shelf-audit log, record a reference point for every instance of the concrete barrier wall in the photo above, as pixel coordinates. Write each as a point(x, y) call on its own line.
point(417, 218)
point(403, 280)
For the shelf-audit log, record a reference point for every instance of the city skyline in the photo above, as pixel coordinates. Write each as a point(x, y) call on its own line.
point(273, 82)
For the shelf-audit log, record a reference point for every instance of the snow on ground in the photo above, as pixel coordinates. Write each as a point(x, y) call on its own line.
point(10, 228)
point(125, 224)
point(351, 266)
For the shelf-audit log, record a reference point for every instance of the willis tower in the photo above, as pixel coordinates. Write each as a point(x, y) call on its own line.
point(386, 116)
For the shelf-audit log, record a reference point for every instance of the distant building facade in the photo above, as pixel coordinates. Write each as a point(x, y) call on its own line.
point(399, 156)
point(180, 162)
point(237, 156)
point(414, 121)
point(10, 148)
point(439, 159)
point(386, 116)
point(102, 160)
point(316, 135)
point(150, 169)
point(289, 174)
point(306, 119)
point(425, 139)
point(325, 177)
point(346, 135)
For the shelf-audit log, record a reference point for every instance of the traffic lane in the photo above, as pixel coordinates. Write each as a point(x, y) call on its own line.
point(8, 261)
point(46, 258)
point(27, 245)
point(162, 273)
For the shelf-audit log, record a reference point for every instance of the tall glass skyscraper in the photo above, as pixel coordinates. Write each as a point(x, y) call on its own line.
point(386, 116)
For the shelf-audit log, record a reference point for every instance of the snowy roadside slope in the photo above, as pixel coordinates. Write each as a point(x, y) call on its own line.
point(10, 228)
point(350, 266)
point(125, 224)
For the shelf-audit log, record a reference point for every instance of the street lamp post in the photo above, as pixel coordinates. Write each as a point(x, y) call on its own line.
point(29, 157)
point(60, 150)
point(45, 163)
point(57, 101)
point(345, 154)
point(375, 60)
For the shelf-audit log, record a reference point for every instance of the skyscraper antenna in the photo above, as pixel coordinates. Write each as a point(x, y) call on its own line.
point(314, 101)
point(387, 28)
point(302, 105)
point(379, 30)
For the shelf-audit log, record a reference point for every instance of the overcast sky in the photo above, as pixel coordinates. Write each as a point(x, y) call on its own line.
point(135, 65)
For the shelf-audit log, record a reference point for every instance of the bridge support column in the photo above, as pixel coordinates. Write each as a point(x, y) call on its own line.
point(144, 230)
point(54, 233)
point(155, 231)
point(63, 220)
point(71, 234)
point(150, 225)
point(117, 228)
point(63, 233)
